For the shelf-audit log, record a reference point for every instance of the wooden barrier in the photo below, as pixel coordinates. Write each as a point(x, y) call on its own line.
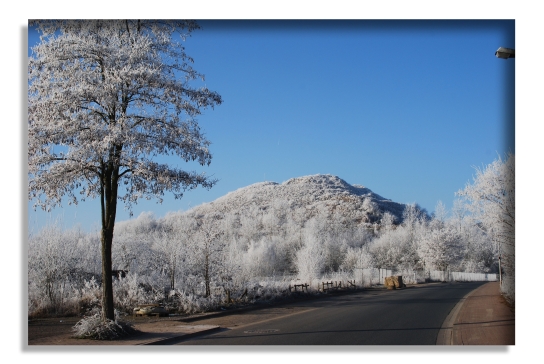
point(336, 285)
point(301, 286)
point(324, 286)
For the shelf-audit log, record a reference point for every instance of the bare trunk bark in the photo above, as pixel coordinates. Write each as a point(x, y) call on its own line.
point(172, 274)
point(207, 275)
point(109, 210)
point(107, 282)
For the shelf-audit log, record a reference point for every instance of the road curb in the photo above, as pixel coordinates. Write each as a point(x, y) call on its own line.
point(445, 335)
point(168, 339)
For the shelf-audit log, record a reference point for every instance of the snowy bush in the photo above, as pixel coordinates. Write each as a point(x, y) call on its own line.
point(189, 303)
point(95, 327)
point(356, 258)
point(130, 291)
point(89, 296)
point(310, 259)
point(57, 269)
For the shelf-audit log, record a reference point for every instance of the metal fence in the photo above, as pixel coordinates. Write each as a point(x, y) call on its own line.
point(374, 276)
point(471, 277)
point(447, 276)
point(368, 277)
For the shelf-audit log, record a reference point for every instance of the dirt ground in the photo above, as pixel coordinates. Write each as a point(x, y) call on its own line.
point(40, 329)
point(58, 331)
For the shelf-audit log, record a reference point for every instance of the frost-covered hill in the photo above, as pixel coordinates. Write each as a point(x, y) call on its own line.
point(316, 194)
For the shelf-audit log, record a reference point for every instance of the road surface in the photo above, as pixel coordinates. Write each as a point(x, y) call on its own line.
point(411, 316)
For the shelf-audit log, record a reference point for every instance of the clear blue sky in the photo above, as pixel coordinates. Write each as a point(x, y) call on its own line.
point(405, 108)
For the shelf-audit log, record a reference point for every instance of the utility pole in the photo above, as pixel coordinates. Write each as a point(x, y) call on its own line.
point(500, 271)
point(503, 53)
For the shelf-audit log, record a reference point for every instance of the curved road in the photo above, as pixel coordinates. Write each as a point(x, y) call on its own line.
point(411, 316)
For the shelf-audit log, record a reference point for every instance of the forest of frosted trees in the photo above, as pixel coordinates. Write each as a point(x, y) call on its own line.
point(206, 257)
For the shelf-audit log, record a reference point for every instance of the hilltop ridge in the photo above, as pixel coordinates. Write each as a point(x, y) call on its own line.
point(320, 193)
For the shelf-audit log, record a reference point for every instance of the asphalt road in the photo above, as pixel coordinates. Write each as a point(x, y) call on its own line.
point(411, 316)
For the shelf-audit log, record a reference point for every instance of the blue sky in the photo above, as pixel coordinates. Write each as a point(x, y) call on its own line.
point(529, 79)
point(405, 108)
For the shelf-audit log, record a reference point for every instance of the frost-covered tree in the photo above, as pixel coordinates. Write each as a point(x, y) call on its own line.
point(440, 246)
point(169, 248)
point(105, 98)
point(480, 253)
point(414, 223)
point(177, 235)
point(208, 247)
point(491, 200)
point(131, 248)
point(310, 258)
point(55, 263)
point(357, 258)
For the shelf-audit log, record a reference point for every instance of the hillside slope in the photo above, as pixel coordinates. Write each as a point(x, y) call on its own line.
point(316, 194)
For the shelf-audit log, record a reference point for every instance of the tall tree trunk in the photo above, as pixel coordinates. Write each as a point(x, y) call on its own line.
point(107, 282)
point(109, 209)
point(172, 273)
point(207, 275)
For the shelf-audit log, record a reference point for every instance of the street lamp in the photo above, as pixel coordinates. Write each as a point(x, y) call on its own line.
point(505, 53)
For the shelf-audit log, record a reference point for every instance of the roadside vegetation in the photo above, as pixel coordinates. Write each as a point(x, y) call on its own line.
point(194, 261)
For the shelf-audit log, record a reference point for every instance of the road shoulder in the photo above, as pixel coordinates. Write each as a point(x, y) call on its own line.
point(485, 319)
point(480, 318)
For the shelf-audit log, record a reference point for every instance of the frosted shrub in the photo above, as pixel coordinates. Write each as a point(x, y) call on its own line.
point(94, 327)
point(261, 258)
point(89, 296)
point(129, 292)
point(310, 259)
point(356, 258)
point(255, 290)
point(269, 290)
point(60, 302)
point(189, 303)
point(440, 247)
point(54, 264)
